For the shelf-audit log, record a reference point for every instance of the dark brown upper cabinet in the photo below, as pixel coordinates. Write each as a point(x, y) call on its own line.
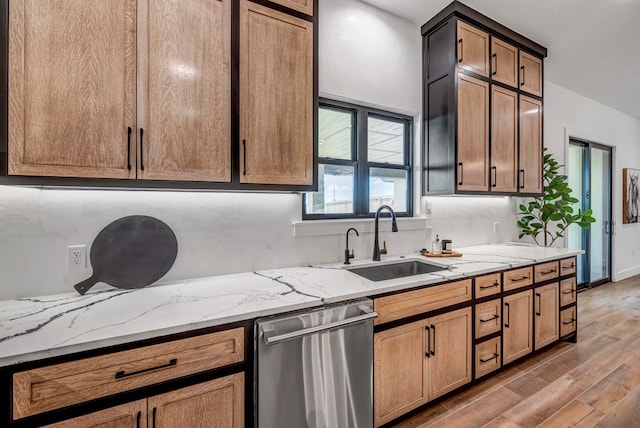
point(482, 106)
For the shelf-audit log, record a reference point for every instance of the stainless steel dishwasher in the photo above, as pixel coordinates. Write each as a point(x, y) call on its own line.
point(315, 369)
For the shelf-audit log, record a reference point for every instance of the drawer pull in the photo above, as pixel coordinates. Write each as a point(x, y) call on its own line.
point(495, 317)
point(495, 356)
point(484, 287)
point(426, 354)
point(548, 272)
point(433, 350)
point(121, 374)
point(571, 321)
point(138, 417)
point(570, 266)
point(519, 279)
point(573, 290)
point(539, 311)
point(153, 417)
point(506, 306)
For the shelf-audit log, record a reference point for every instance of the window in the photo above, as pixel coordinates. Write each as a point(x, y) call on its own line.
point(364, 161)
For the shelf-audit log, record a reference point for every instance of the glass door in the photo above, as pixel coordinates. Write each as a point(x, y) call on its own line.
point(590, 179)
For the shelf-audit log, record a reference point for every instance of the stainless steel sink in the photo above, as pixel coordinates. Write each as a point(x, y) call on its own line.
point(396, 270)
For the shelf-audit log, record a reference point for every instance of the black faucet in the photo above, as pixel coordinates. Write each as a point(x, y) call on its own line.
point(394, 228)
point(348, 256)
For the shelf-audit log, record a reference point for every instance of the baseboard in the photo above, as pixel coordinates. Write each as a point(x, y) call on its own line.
point(627, 273)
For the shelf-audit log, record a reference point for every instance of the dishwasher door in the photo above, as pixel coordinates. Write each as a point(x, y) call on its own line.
point(315, 369)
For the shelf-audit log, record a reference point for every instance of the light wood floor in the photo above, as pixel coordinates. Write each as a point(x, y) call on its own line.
point(594, 383)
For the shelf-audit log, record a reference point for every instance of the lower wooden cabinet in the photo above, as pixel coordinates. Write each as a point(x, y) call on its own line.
point(217, 403)
point(418, 362)
point(488, 357)
point(517, 311)
point(546, 315)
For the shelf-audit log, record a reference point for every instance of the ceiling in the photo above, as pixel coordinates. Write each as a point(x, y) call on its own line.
point(593, 45)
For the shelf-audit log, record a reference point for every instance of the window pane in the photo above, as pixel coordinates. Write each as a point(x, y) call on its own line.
point(386, 141)
point(335, 191)
point(334, 134)
point(388, 187)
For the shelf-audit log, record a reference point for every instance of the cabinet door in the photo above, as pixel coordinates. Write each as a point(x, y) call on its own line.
point(517, 332)
point(450, 360)
point(547, 313)
point(473, 49)
point(185, 97)
point(504, 62)
point(530, 74)
point(530, 173)
point(72, 88)
point(276, 97)
point(473, 134)
point(127, 415)
point(304, 6)
point(400, 371)
point(504, 139)
point(218, 403)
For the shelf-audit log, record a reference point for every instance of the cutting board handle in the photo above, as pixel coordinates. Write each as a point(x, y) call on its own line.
point(84, 286)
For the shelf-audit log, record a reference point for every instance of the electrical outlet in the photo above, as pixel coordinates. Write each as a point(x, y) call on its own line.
point(76, 258)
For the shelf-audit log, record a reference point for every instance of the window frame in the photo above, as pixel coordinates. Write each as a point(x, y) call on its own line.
point(360, 162)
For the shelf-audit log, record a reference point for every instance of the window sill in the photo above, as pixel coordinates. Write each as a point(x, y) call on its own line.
point(364, 225)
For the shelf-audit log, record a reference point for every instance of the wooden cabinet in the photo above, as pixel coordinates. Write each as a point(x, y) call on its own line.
point(418, 362)
point(568, 291)
point(504, 139)
point(517, 333)
point(568, 321)
point(473, 49)
point(276, 97)
point(545, 271)
point(127, 415)
point(487, 357)
point(518, 278)
point(504, 62)
point(546, 307)
point(488, 319)
point(473, 133)
point(304, 6)
point(530, 173)
point(530, 74)
point(488, 285)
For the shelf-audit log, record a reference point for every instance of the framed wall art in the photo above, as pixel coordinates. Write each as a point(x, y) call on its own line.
point(630, 195)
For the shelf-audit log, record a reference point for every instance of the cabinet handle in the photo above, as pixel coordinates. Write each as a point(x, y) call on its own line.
point(129, 148)
point(484, 287)
point(141, 150)
point(153, 417)
point(495, 176)
point(433, 350)
point(519, 279)
point(571, 266)
point(495, 64)
point(506, 324)
point(495, 356)
point(522, 72)
point(121, 374)
point(548, 272)
point(571, 321)
point(461, 173)
point(244, 157)
point(138, 417)
point(539, 311)
point(522, 179)
point(426, 327)
point(495, 317)
point(461, 49)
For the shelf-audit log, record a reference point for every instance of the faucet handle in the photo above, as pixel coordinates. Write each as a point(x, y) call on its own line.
point(384, 248)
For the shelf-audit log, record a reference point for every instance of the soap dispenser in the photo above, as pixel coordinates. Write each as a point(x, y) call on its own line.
point(436, 247)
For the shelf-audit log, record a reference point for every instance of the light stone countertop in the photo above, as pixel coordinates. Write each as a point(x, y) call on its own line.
point(42, 327)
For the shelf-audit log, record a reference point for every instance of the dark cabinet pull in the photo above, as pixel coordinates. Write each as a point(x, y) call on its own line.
point(522, 72)
point(495, 317)
point(138, 417)
point(506, 324)
point(522, 179)
point(484, 287)
point(539, 311)
point(571, 321)
point(548, 272)
point(141, 150)
point(129, 148)
point(121, 374)
point(461, 172)
point(570, 291)
point(495, 64)
point(495, 176)
point(244, 157)
point(433, 350)
point(426, 327)
point(495, 356)
point(461, 49)
point(153, 417)
point(519, 279)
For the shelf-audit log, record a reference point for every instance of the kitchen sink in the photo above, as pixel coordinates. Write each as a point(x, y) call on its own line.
point(396, 270)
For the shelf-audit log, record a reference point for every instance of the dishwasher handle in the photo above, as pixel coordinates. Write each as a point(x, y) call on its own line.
point(272, 340)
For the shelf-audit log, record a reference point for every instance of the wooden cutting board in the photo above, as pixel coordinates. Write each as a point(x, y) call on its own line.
point(452, 254)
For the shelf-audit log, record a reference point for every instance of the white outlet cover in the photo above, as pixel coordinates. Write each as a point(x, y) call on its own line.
point(76, 257)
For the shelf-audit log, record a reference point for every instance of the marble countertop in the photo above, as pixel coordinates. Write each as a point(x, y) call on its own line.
point(42, 327)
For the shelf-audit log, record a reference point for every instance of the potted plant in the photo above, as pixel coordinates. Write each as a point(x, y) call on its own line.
point(551, 213)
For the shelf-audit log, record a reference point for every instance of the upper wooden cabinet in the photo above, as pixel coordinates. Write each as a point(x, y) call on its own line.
point(473, 49)
point(304, 6)
point(477, 138)
point(504, 62)
point(530, 74)
point(276, 97)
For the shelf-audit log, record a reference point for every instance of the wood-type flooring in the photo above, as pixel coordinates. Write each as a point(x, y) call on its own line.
point(594, 383)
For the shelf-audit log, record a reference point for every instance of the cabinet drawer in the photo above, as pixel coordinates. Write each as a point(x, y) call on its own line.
point(517, 278)
point(415, 302)
point(568, 321)
point(568, 291)
point(52, 387)
point(487, 357)
point(545, 271)
point(304, 6)
point(568, 266)
point(488, 285)
point(488, 318)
